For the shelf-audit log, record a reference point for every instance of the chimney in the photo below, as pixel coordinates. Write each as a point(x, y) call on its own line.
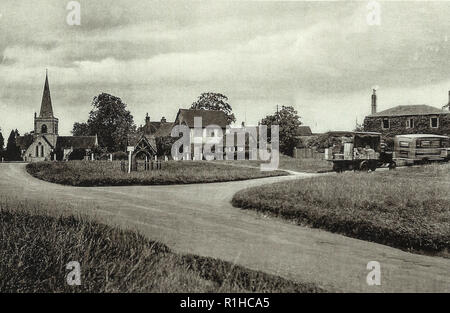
point(448, 100)
point(147, 119)
point(374, 101)
point(163, 120)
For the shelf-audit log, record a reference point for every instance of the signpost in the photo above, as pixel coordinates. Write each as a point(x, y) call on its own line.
point(130, 150)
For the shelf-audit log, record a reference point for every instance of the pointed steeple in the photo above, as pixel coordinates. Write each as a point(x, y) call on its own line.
point(46, 104)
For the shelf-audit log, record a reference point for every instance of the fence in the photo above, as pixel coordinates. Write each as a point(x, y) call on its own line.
point(141, 166)
point(307, 153)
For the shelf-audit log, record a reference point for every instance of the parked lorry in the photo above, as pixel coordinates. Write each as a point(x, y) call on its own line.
point(361, 151)
point(421, 148)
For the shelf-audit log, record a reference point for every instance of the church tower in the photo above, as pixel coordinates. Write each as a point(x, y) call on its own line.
point(46, 124)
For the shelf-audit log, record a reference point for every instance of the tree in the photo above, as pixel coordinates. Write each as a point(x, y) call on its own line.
point(12, 150)
point(109, 120)
point(216, 102)
point(81, 129)
point(2, 144)
point(288, 122)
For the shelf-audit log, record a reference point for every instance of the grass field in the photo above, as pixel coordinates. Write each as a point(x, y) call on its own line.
point(292, 164)
point(407, 208)
point(104, 173)
point(35, 248)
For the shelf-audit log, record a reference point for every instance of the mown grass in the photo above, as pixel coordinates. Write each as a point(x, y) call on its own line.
point(407, 208)
point(104, 173)
point(35, 249)
point(289, 163)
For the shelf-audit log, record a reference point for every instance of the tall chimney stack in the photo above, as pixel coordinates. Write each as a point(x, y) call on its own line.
point(448, 104)
point(374, 101)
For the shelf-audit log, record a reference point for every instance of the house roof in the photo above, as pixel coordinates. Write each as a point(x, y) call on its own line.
point(405, 110)
point(76, 142)
point(46, 104)
point(164, 130)
point(209, 117)
point(304, 131)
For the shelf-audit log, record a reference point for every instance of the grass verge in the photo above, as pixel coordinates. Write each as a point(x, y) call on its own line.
point(104, 173)
point(35, 248)
point(289, 163)
point(407, 208)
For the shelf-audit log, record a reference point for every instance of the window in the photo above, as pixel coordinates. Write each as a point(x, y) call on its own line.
point(44, 129)
point(434, 122)
point(385, 123)
point(42, 151)
point(410, 123)
point(37, 151)
point(404, 144)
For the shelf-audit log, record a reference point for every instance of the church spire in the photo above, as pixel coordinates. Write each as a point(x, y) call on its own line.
point(46, 105)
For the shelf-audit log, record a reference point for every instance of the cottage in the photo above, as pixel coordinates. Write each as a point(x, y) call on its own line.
point(408, 119)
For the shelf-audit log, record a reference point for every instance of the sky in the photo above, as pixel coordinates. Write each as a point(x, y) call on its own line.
point(322, 58)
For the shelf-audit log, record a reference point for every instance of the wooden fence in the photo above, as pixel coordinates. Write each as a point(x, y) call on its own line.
point(307, 153)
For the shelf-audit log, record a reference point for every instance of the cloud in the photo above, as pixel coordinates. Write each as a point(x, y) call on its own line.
point(321, 57)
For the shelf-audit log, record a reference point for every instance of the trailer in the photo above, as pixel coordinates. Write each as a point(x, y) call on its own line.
point(421, 148)
point(362, 151)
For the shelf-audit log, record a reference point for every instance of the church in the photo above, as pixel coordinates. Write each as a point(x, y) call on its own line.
point(44, 143)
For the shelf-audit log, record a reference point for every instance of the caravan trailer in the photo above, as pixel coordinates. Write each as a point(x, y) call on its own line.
point(421, 148)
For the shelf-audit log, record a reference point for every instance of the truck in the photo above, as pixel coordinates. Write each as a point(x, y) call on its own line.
point(362, 151)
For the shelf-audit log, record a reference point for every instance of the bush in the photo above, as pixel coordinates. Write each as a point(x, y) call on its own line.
point(120, 155)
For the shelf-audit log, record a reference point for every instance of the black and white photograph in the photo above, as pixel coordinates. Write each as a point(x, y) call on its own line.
point(228, 154)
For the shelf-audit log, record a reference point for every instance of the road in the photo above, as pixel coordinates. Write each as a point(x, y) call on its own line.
point(199, 219)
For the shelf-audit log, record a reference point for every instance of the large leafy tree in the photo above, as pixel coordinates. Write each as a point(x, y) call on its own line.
point(109, 120)
point(288, 121)
point(214, 101)
point(12, 150)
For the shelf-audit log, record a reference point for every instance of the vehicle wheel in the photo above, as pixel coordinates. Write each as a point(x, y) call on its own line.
point(364, 166)
point(373, 167)
point(392, 166)
point(337, 168)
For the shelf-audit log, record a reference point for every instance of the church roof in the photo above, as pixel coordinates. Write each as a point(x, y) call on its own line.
point(46, 104)
point(23, 142)
point(76, 142)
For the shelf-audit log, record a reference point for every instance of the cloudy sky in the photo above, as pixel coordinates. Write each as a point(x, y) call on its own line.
point(320, 57)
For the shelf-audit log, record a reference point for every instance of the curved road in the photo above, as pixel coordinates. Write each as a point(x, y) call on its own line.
point(199, 219)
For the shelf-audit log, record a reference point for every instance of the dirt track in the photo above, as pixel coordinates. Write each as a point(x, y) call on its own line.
point(199, 219)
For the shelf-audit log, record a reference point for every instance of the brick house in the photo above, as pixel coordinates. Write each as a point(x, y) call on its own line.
point(408, 119)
